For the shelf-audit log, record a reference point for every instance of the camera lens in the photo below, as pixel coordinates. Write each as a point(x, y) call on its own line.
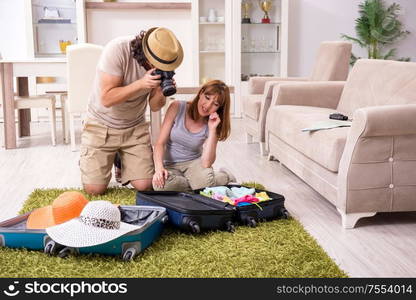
point(168, 88)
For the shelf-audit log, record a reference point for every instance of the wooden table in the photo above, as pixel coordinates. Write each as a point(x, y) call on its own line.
point(23, 69)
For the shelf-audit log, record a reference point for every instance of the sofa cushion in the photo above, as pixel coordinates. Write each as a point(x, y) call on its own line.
point(252, 106)
point(332, 61)
point(325, 147)
point(378, 82)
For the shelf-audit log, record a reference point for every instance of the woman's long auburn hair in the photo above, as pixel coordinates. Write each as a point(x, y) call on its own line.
point(215, 87)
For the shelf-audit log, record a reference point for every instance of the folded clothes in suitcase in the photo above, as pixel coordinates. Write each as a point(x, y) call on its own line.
point(189, 212)
point(150, 219)
point(259, 211)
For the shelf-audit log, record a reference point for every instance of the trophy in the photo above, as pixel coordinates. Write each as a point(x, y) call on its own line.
point(265, 7)
point(246, 5)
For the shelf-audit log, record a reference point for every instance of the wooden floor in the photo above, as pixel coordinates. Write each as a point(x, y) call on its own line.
point(381, 246)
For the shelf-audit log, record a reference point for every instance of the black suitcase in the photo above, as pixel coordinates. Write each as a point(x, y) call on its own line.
point(191, 212)
point(262, 211)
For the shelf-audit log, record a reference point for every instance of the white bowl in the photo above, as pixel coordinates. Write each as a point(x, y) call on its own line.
point(202, 19)
point(220, 19)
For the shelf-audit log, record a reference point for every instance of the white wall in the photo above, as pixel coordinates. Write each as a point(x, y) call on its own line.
point(130, 22)
point(13, 41)
point(313, 21)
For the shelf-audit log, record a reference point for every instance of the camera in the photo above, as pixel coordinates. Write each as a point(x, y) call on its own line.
point(168, 88)
point(338, 116)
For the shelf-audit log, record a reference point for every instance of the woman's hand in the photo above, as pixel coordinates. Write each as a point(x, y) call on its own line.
point(150, 81)
point(213, 121)
point(159, 178)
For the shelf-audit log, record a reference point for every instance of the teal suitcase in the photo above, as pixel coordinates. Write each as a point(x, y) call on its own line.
point(151, 219)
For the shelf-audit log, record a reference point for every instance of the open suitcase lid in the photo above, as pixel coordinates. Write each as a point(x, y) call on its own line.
point(142, 216)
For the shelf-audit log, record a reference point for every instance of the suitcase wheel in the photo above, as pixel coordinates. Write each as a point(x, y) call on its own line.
point(284, 214)
point(194, 227)
point(52, 247)
point(230, 226)
point(49, 247)
point(65, 252)
point(251, 222)
point(129, 254)
point(165, 219)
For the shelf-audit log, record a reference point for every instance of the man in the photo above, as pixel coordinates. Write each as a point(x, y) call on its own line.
point(116, 110)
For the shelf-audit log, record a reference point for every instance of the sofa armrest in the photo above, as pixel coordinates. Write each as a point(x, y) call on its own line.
point(387, 120)
point(376, 171)
point(256, 84)
point(320, 94)
point(265, 100)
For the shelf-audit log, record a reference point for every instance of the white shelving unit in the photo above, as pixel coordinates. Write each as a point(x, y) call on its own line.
point(212, 41)
point(48, 32)
point(260, 48)
point(43, 38)
point(211, 23)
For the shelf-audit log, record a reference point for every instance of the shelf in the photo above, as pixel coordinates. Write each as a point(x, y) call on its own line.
point(56, 5)
point(257, 75)
point(47, 55)
point(254, 52)
point(49, 24)
point(211, 51)
point(137, 5)
point(260, 23)
point(211, 23)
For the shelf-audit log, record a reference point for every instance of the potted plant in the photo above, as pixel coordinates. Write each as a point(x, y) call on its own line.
point(377, 27)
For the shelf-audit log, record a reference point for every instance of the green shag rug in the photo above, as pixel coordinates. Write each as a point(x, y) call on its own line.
point(280, 248)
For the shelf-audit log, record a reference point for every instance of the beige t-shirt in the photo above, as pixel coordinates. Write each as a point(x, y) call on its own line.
point(117, 60)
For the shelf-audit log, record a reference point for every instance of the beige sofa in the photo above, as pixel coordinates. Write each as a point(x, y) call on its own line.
point(367, 168)
point(331, 64)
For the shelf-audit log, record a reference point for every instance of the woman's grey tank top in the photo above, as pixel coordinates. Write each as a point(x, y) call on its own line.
point(184, 145)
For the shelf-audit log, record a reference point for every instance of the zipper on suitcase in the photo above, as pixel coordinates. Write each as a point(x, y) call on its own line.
point(208, 201)
point(147, 197)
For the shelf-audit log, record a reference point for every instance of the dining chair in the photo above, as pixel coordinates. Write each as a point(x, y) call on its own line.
point(40, 101)
point(82, 60)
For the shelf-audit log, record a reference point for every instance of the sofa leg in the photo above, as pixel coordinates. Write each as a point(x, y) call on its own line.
point(349, 220)
point(263, 150)
point(270, 157)
point(249, 138)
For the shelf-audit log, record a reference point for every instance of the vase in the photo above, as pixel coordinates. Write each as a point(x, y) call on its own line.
point(212, 15)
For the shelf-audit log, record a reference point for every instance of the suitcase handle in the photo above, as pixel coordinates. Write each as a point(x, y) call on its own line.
point(186, 195)
point(208, 201)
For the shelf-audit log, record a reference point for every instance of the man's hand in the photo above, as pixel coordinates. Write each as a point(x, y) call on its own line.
point(157, 91)
point(150, 81)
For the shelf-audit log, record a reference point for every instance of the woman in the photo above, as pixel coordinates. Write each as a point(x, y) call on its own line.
point(187, 144)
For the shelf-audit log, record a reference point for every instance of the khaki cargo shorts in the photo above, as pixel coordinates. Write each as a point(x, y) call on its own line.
point(99, 144)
